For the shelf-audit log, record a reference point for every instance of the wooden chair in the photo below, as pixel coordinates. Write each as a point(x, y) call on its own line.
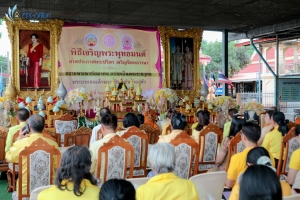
point(291, 125)
point(186, 153)
point(289, 144)
point(139, 140)
point(168, 130)
point(235, 146)
point(114, 158)
point(41, 159)
point(209, 138)
point(151, 132)
point(188, 130)
point(3, 163)
point(81, 136)
point(15, 136)
point(65, 124)
point(12, 174)
point(54, 136)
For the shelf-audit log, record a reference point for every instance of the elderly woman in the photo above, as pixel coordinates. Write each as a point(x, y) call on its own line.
point(73, 178)
point(165, 184)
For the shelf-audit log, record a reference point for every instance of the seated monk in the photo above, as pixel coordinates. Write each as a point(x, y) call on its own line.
point(150, 116)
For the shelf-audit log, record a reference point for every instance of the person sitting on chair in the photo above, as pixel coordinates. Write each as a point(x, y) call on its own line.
point(165, 184)
point(130, 119)
point(73, 178)
point(150, 116)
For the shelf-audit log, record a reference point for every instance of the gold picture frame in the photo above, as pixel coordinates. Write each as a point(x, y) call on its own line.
point(166, 33)
point(54, 27)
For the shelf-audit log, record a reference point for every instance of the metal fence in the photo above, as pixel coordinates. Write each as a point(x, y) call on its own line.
point(266, 99)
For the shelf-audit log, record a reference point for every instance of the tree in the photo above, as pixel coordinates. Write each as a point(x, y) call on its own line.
point(238, 57)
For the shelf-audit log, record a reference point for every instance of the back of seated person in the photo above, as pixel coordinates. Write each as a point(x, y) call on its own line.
point(109, 125)
point(22, 116)
point(130, 119)
point(36, 125)
point(231, 113)
point(165, 184)
point(258, 156)
point(167, 122)
point(103, 112)
point(260, 182)
point(294, 166)
point(203, 121)
point(118, 189)
point(73, 178)
point(178, 123)
point(143, 126)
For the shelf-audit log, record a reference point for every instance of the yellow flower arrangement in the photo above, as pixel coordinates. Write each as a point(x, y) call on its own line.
point(168, 94)
point(247, 106)
point(224, 101)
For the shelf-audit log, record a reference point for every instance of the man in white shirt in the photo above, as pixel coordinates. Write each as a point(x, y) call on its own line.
point(103, 112)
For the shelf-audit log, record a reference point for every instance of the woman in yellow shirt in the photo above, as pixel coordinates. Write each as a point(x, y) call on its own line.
point(203, 120)
point(272, 140)
point(73, 178)
point(294, 166)
point(258, 156)
point(167, 123)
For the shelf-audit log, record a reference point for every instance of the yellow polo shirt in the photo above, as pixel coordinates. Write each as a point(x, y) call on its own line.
point(13, 154)
point(94, 151)
point(91, 192)
point(10, 135)
point(238, 164)
point(295, 160)
point(164, 128)
point(272, 142)
point(171, 136)
point(167, 186)
point(194, 125)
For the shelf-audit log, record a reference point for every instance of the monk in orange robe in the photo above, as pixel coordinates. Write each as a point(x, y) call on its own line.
point(150, 116)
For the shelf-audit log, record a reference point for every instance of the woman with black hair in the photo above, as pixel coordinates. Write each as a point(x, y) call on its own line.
point(178, 123)
point(117, 189)
point(268, 127)
point(260, 182)
point(221, 160)
point(167, 122)
point(73, 178)
point(203, 120)
point(272, 140)
point(130, 119)
point(258, 156)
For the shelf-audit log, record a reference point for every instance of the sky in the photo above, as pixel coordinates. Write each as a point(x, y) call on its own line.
point(5, 45)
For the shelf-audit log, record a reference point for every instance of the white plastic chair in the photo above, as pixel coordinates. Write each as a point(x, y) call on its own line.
point(35, 193)
point(210, 185)
point(136, 182)
point(293, 197)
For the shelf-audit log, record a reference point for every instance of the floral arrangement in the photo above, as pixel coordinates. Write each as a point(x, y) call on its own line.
point(254, 106)
point(224, 101)
point(78, 95)
point(8, 105)
point(168, 94)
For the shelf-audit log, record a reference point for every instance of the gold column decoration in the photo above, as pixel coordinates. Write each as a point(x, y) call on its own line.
point(10, 91)
point(196, 34)
point(54, 27)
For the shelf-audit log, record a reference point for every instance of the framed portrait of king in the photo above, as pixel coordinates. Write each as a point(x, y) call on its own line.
point(181, 64)
point(34, 56)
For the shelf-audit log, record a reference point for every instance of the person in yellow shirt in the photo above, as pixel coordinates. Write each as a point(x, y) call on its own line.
point(118, 189)
point(260, 182)
point(250, 135)
point(167, 123)
point(268, 126)
point(165, 184)
point(22, 116)
point(178, 123)
point(272, 140)
point(203, 121)
point(73, 178)
point(258, 156)
point(109, 125)
point(36, 125)
point(231, 113)
point(294, 166)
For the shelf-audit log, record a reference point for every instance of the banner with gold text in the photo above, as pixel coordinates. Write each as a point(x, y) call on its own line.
point(91, 56)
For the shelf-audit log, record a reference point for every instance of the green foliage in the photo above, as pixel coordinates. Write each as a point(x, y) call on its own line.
point(238, 57)
point(1, 21)
point(3, 63)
